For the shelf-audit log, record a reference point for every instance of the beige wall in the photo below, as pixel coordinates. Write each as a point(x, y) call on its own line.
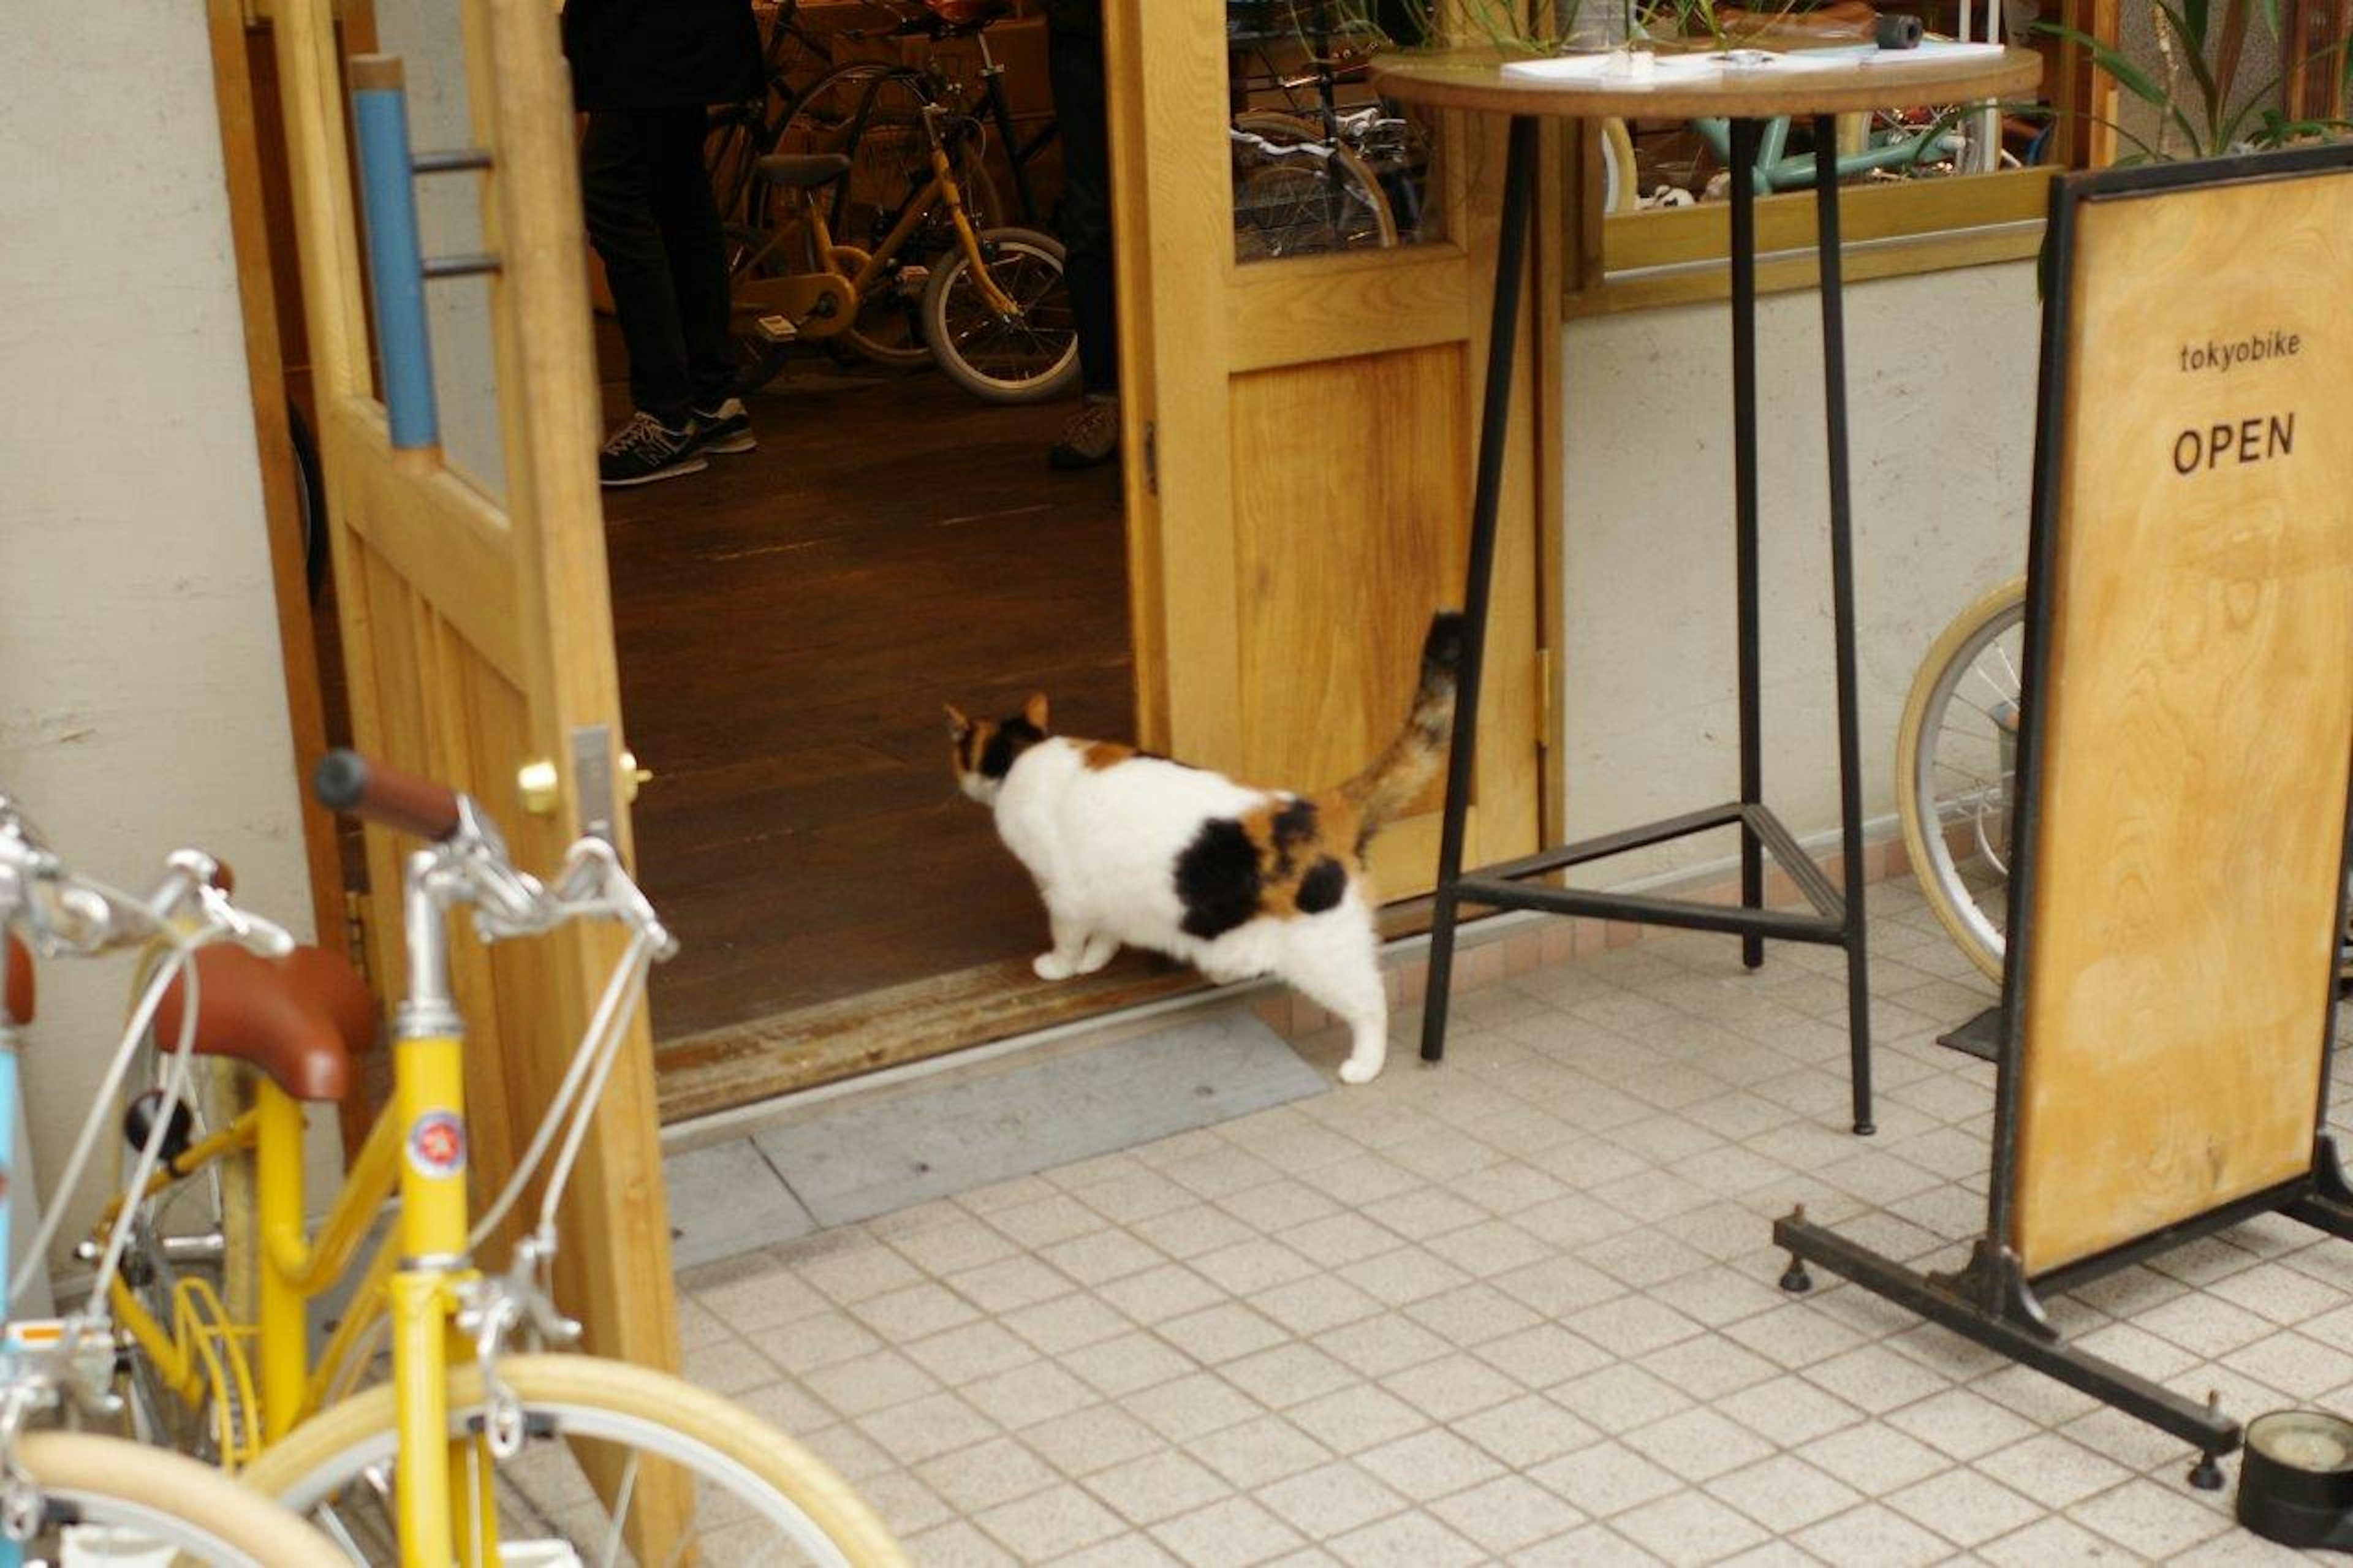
point(142, 702)
point(1941, 373)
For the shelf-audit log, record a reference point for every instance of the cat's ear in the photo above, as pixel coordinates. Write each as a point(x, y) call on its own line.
point(1035, 710)
point(959, 725)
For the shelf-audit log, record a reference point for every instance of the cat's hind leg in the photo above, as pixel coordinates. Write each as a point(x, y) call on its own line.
point(1343, 977)
point(1071, 942)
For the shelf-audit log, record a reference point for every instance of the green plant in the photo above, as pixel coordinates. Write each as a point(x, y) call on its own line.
point(2202, 50)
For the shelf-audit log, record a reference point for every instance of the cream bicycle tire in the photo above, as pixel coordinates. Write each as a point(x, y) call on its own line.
point(1621, 190)
point(1932, 863)
point(595, 1399)
point(171, 1499)
point(1275, 122)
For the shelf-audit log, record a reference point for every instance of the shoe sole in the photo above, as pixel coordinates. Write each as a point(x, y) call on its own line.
point(676, 470)
point(729, 446)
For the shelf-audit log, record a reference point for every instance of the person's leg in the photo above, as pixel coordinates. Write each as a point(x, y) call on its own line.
point(1074, 65)
point(697, 246)
point(617, 192)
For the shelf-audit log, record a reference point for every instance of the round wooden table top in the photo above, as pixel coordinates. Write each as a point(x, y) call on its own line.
point(1475, 79)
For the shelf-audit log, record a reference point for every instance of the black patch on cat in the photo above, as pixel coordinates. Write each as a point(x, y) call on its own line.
point(1293, 825)
point(1012, 738)
point(1217, 880)
point(1321, 888)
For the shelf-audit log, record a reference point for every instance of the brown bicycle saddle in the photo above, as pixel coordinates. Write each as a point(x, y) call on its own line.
point(298, 1018)
point(17, 994)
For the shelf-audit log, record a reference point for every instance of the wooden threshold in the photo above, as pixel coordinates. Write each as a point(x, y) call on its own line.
point(742, 1064)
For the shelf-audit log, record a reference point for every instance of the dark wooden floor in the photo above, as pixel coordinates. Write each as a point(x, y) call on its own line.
point(789, 624)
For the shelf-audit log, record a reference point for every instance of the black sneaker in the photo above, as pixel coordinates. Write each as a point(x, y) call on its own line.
point(1091, 437)
point(724, 429)
point(646, 449)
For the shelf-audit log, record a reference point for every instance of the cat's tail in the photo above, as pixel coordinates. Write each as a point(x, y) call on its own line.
point(1412, 760)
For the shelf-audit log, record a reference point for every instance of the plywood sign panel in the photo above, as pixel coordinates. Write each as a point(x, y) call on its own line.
point(2198, 714)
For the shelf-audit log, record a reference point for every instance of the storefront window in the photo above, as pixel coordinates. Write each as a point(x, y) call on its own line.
point(1321, 163)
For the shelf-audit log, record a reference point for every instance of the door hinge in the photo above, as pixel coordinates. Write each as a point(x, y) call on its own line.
point(355, 933)
point(1543, 699)
point(1151, 456)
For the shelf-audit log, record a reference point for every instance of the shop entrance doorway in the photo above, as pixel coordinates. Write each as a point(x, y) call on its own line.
point(1304, 277)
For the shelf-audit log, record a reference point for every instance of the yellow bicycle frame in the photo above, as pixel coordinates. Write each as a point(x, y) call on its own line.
point(420, 1275)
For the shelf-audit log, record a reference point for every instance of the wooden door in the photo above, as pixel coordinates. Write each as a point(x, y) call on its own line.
point(476, 623)
point(1300, 436)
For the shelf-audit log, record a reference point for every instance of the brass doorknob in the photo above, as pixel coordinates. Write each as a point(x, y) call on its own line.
point(537, 782)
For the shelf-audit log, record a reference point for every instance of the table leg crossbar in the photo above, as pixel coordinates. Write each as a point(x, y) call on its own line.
point(1837, 912)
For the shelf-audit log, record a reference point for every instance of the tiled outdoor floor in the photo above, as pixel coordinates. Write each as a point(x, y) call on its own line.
point(1520, 1309)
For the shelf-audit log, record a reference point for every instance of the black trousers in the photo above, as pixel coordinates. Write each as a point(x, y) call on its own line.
point(1074, 69)
point(651, 219)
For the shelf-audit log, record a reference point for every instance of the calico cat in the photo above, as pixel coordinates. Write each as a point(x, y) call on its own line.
point(1134, 850)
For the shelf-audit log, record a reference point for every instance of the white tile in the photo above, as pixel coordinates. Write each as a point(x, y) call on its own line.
point(981, 1477)
point(1330, 1498)
point(1254, 1453)
point(1698, 1444)
point(1228, 1534)
point(1430, 1464)
point(1408, 1540)
point(1964, 1506)
point(1049, 1523)
point(1784, 1493)
point(1507, 1513)
point(1606, 1478)
point(1689, 1527)
point(2151, 1519)
point(1156, 1485)
point(1876, 1535)
point(1357, 1419)
point(2052, 1470)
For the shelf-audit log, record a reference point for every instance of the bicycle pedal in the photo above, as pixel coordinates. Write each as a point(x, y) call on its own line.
point(778, 329)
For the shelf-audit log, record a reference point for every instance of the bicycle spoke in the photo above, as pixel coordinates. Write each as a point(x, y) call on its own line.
point(629, 1494)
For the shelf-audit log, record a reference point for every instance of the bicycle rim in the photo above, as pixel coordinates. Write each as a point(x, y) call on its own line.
point(1028, 357)
point(1956, 763)
point(757, 1497)
point(112, 1494)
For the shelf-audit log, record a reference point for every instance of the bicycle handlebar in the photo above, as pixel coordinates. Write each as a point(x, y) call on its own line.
point(374, 792)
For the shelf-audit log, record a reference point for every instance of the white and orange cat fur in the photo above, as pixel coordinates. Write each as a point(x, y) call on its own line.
point(1129, 849)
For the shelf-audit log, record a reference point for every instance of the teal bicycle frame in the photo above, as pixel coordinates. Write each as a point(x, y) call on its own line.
point(1777, 171)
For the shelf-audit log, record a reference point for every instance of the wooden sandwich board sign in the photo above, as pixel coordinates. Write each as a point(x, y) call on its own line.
point(2177, 884)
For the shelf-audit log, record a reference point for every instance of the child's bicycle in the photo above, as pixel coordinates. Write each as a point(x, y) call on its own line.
point(992, 308)
point(69, 1497)
point(475, 1451)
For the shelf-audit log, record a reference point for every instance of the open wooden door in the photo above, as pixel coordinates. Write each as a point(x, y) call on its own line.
point(476, 624)
point(1300, 437)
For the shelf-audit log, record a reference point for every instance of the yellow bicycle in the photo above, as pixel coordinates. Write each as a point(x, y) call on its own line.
point(471, 1453)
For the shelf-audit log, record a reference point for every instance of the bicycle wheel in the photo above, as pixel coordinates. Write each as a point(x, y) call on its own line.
point(758, 1497)
point(1956, 771)
point(1029, 356)
point(1297, 193)
point(104, 1499)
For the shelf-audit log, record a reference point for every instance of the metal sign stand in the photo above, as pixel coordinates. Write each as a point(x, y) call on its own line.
point(1995, 1299)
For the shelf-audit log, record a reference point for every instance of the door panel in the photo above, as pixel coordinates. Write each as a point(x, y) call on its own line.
point(1308, 427)
point(476, 622)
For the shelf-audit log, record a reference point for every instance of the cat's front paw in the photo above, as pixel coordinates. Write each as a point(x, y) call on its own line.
point(1355, 1071)
point(1053, 966)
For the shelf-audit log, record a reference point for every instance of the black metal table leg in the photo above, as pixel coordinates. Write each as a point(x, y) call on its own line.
point(1745, 134)
point(1494, 423)
point(1858, 975)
